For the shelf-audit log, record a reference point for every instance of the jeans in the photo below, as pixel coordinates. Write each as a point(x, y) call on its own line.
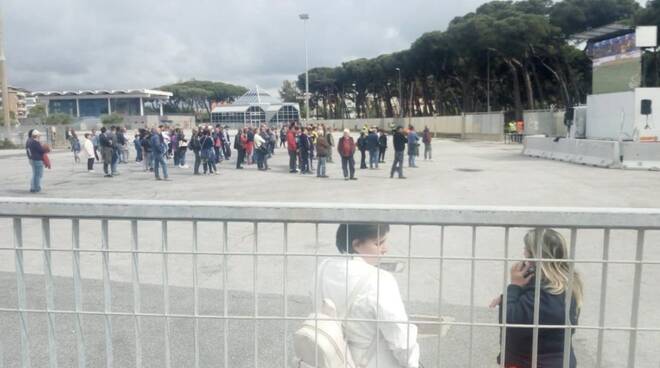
point(427, 151)
point(138, 154)
point(115, 159)
point(37, 174)
point(373, 158)
point(198, 162)
point(176, 158)
point(381, 154)
point(259, 158)
point(348, 165)
point(159, 160)
point(182, 156)
point(293, 156)
point(90, 163)
point(304, 162)
point(320, 166)
point(411, 160)
point(148, 161)
point(397, 165)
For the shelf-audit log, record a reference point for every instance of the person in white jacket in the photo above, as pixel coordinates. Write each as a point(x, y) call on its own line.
point(88, 150)
point(391, 342)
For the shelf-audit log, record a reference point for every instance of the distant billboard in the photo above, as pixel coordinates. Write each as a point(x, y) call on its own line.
point(616, 64)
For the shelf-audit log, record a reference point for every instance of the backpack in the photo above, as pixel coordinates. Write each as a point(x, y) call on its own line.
point(323, 339)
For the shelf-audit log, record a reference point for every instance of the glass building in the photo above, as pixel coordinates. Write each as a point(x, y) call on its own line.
point(254, 108)
point(96, 103)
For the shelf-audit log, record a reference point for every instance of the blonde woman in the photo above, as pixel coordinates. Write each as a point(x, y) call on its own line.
point(555, 276)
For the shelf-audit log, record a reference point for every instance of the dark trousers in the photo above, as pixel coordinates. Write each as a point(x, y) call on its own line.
point(381, 154)
point(90, 163)
point(293, 157)
point(198, 162)
point(106, 167)
point(240, 158)
point(363, 163)
point(217, 154)
point(348, 166)
point(397, 165)
point(304, 161)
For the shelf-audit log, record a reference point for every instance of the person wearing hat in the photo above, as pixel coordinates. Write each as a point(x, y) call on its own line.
point(35, 153)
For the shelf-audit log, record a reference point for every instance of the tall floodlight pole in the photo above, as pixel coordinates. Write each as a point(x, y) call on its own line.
point(5, 86)
point(305, 17)
point(400, 95)
point(488, 81)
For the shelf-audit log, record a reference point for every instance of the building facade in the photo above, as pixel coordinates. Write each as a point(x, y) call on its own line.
point(135, 102)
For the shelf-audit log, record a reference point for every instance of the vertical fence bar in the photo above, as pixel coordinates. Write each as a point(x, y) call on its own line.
point(603, 297)
point(378, 300)
point(50, 293)
point(284, 291)
point(77, 292)
point(137, 299)
point(504, 303)
point(440, 272)
point(195, 297)
point(537, 296)
point(255, 261)
point(166, 294)
point(107, 294)
point(408, 290)
point(225, 294)
point(568, 301)
point(316, 287)
point(472, 276)
point(639, 256)
point(20, 288)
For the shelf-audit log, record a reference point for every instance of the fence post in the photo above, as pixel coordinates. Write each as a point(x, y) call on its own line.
point(463, 122)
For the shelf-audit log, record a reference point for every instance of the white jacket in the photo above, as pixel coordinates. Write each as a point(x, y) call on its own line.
point(88, 148)
point(397, 345)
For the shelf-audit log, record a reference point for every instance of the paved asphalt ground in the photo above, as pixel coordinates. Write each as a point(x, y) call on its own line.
point(462, 173)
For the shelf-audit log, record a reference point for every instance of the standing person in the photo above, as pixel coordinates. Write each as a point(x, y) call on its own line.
point(330, 138)
point(116, 149)
point(159, 149)
point(137, 144)
point(196, 147)
point(399, 142)
point(147, 151)
point(413, 143)
point(88, 149)
point(207, 152)
point(123, 144)
point(555, 275)
point(272, 142)
point(226, 141)
point(106, 143)
point(373, 294)
point(346, 149)
point(260, 150)
point(249, 146)
point(313, 136)
point(426, 139)
point(292, 147)
point(283, 136)
point(182, 149)
point(304, 151)
point(362, 146)
point(372, 147)
point(95, 142)
point(322, 151)
point(239, 144)
point(35, 154)
point(382, 146)
point(217, 143)
point(75, 145)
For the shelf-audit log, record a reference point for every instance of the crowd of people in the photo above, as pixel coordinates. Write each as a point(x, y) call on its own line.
point(310, 149)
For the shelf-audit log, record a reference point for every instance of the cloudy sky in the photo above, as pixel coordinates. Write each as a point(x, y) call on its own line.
point(101, 44)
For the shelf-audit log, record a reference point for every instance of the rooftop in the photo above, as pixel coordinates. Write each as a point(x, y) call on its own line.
point(115, 92)
point(607, 31)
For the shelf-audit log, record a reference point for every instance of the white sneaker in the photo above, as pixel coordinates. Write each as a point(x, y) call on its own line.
point(185, 167)
point(90, 171)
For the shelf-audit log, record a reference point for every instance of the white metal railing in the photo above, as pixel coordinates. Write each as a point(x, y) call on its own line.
point(17, 212)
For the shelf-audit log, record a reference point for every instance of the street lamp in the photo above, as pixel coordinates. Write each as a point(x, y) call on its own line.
point(400, 95)
point(357, 116)
point(305, 17)
point(5, 86)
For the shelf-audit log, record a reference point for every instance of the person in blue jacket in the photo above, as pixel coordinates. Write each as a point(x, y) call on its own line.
point(158, 149)
point(372, 147)
point(555, 283)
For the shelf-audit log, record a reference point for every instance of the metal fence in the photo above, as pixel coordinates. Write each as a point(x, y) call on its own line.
point(140, 321)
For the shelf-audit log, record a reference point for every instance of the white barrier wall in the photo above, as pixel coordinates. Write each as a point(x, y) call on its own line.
point(545, 122)
point(578, 151)
point(611, 116)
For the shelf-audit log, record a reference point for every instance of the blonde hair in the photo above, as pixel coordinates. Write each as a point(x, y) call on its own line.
point(554, 275)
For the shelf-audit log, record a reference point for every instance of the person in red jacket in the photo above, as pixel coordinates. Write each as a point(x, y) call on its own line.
point(292, 147)
point(346, 149)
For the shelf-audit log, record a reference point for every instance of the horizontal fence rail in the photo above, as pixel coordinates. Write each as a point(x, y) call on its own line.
point(131, 265)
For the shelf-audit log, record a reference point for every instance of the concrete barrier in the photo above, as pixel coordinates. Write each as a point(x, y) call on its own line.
point(645, 156)
point(579, 151)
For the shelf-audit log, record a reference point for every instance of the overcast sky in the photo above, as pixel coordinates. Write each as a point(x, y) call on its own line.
point(118, 44)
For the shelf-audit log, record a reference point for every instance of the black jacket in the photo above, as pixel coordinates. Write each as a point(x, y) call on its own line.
point(399, 141)
point(520, 310)
point(382, 141)
point(362, 143)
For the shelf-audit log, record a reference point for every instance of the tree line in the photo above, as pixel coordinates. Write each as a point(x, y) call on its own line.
point(506, 55)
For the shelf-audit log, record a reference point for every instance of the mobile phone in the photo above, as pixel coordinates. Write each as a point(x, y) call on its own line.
point(530, 271)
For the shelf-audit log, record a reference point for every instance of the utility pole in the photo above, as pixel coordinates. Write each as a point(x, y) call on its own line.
point(400, 96)
point(488, 81)
point(5, 86)
point(305, 17)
